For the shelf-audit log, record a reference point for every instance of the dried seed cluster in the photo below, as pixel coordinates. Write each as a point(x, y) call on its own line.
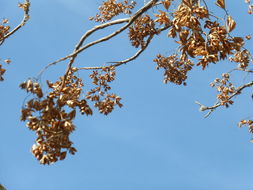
point(112, 8)
point(51, 117)
point(242, 58)
point(248, 123)
point(163, 18)
point(4, 29)
point(143, 27)
point(225, 89)
point(175, 69)
point(212, 45)
point(104, 101)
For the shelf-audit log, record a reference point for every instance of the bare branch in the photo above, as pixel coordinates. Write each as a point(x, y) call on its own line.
point(99, 27)
point(118, 63)
point(130, 21)
point(82, 39)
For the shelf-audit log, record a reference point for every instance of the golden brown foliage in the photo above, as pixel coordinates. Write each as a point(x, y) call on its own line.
point(175, 69)
point(202, 39)
point(112, 8)
point(143, 26)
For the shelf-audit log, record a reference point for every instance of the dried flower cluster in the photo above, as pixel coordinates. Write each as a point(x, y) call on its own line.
point(4, 29)
point(111, 8)
point(104, 101)
point(242, 58)
point(225, 89)
point(210, 41)
point(248, 123)
point(175, 69)
point(143, 27)
point(51, 117)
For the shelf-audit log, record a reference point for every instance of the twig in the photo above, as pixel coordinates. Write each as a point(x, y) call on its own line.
point(26, 7)
point(218, 104)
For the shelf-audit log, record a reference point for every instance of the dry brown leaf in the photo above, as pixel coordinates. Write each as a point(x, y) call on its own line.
point(231, 24)
point(166, 4)
point(220, 3)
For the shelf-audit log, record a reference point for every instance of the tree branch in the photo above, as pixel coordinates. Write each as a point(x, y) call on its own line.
point(218, 104)
point(84, 37)
point(26, 7)
point(139, 52)
point(130, 21)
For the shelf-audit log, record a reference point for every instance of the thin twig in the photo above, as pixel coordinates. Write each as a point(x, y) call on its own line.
point(26, 17)
point(218, 104)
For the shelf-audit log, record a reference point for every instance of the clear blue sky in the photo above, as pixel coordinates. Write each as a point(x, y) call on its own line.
point(158, 140)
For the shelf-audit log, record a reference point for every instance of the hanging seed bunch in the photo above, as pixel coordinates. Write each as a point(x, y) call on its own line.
point(112, 8)
point(51, 117)
point(225, 89)
point(143, 27)
point(242, 58)
point(103, 100)
point(175, 70)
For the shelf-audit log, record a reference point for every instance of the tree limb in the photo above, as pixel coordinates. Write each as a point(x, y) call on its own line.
point(118, 63)
point(130, 21)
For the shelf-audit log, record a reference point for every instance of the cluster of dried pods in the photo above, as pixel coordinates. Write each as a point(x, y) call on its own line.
point(51, 116)
point(112, 8)
point(225, 89)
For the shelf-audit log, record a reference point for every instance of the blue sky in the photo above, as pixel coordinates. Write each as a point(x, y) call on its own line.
point(158, 140)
